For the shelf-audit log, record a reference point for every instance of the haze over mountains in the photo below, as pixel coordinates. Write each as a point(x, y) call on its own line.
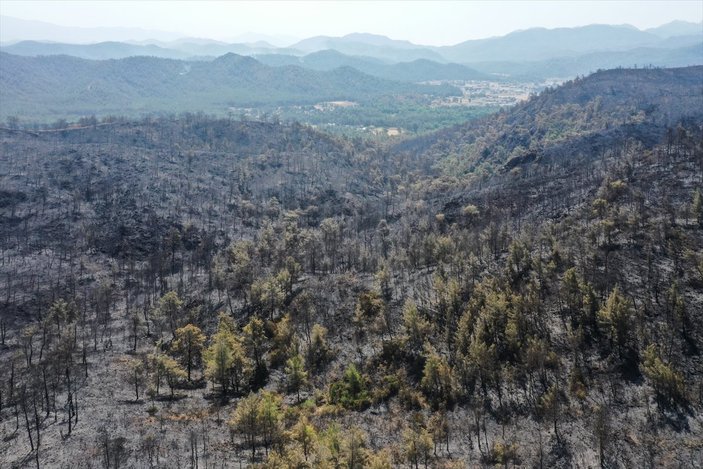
point(15, 29)
point(536, 53)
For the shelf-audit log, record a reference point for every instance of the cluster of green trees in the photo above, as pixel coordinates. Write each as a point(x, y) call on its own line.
point(413, 115)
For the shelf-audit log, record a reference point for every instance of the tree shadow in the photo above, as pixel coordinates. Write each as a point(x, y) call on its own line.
point(194, 384)
point(131, 401)
point(216, 397)
point(560, 454)
point(674, 414)
point(169, 398)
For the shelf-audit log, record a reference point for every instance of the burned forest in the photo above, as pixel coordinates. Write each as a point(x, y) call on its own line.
point(523, 290)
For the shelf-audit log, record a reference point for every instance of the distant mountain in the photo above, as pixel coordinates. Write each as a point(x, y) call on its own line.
point(567, 67)
point(540, 43)
point(275, 40)
point(216, 49)
point(278, 60)
point(677, 28)
point(16, 29)
point(427, 70)
point(185, 48)
point(536, 53)
point(416, 71)
point(376, 40)
point(675, 42)
point(99, 51)
point(330, 59)
point(62, 86)
point(370, 45)
point(529, 45)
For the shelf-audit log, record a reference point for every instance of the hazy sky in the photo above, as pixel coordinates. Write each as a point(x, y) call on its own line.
point(435, 23)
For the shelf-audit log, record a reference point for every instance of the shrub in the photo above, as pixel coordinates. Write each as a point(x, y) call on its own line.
point(351, 391)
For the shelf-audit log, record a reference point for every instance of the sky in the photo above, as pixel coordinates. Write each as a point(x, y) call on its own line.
point(421, 22)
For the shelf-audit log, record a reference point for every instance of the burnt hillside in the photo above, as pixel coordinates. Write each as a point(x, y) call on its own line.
point(588, 114)
point(193, 292)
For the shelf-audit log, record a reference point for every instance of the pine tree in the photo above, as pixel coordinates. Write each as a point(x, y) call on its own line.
point(551, 407)
point(417, 444)
point(318, 353)
point(354, 449)
point(255, 345)
point(296, 376)
point(666, 381)
point(270, 416)
point(615, 319)
point(245, 421)
point(284, 343)
point(417, 328)
point(165, 367)
point(305, 435)
point(571, 292)
point(169, 310)
point(189, 346)
point(136, 375)
point(226, 362)
point(437, 379)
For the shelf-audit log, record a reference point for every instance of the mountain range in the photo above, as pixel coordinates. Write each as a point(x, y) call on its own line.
point(588, 63)
point(541, 43)
point(417, 70)
point(535, 54)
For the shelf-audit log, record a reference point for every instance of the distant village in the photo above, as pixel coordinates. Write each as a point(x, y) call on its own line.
point(478, 93)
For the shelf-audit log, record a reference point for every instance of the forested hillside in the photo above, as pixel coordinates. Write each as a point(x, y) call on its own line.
point(524, 290)
point(54, 87)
